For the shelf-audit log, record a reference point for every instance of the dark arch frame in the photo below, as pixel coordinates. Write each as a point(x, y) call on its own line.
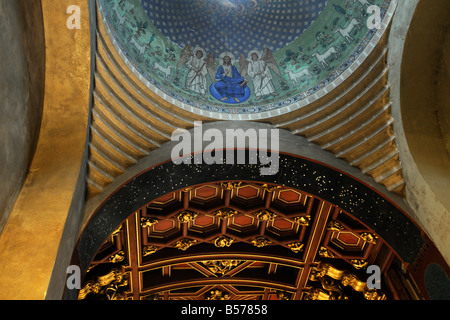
point(341, 189)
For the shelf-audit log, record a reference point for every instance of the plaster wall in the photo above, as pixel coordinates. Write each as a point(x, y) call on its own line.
point(22, 59)
point(419, 79)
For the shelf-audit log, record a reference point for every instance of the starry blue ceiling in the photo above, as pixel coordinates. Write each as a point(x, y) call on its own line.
point(238, 26)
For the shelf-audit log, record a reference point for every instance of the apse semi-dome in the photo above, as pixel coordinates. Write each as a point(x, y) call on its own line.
point(229, 58)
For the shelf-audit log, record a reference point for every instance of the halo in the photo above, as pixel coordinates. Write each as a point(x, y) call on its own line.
point(223, 54)
point(249, 56)
point(197, 48)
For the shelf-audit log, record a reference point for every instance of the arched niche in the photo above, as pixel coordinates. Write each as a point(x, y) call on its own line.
point(425, 95)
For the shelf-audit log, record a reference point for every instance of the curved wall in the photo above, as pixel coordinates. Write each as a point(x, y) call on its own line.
point(33, 233)
point(419, 76)
point(302, 165)
point(425, 94)
point(22, 57)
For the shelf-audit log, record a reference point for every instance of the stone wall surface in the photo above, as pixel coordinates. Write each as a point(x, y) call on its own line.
point(21, 94)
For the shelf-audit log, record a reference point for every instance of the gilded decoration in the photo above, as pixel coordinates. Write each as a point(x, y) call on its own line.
point(221, 267)
point(270, 188)
point(369, 237)
point(186, 216)
point(224, 213)
point(184, 244)
point(107, 285)
point(149, 250)
point(303, 220)
point(230, 185)
point(148, 222)
point(359, 263)
point(265, 215)
point(333, 280)
point(118, 257)
point(325, 253)
point(217, 295)
point(256, 255)
point(260, 242)
point(334, 226)
point(296, 246)
point(223, 241)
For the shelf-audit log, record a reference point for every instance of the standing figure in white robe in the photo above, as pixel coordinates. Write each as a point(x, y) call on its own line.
point(196, 77)
point(261, 75)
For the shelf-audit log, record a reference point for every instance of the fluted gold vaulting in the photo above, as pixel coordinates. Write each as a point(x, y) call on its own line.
point(353, 122)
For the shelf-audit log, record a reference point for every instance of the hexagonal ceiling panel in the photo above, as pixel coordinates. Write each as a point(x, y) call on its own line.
point(239, 252)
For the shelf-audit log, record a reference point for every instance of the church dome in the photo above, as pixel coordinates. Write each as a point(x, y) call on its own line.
point(301, 47)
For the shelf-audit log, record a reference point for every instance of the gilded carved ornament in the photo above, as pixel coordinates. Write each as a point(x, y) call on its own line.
point(296, 246)
point(369, 237)
point(224, 213)
point(325, 253)
point(230, 185)
point(107, 285)
point(332, 278)
point(149, 250)
point(184, 244)
point(282, 295)
point(218, 295)
point(117, 257)
point(223, 241)
point(148, 222)
point(359, 263)
point(260, 242)
point(186, 216)
point(334, 226)
point(268, 188)
point(221, 267)
point(265, 215)
point(303, 220)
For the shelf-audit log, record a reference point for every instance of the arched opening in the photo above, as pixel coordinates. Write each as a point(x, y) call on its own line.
point(172, 233)
point(425, 95)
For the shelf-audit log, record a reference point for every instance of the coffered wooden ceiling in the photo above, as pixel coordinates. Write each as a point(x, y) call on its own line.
point(243, 241)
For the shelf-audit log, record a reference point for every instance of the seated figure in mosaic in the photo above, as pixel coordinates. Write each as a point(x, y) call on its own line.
point(230, 84)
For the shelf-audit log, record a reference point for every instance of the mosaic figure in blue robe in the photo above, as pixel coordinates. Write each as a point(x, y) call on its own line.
point(230, 86)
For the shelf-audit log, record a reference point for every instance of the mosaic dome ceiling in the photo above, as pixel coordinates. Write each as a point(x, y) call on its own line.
point(239, 56)
point(238, 26)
